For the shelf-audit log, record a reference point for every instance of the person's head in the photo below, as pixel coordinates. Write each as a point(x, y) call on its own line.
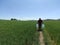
point(39, 18)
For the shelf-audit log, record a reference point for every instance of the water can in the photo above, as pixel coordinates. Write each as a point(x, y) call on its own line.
point(43, 26)
point(37, 26)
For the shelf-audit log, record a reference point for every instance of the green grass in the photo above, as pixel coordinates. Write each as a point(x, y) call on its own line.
point(24, 32)
point(18, 33)
point(53, 28)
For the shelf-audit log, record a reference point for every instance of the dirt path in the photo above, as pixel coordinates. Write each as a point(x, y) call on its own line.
point(41, 38)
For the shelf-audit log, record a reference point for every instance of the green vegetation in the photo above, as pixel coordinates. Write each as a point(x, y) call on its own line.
point(53, 28)
point(18, 33)
point(24, 32)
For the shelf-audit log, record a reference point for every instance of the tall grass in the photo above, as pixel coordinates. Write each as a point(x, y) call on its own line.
point(18, 33)
point(53, 28)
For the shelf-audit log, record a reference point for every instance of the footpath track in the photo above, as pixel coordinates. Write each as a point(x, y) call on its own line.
point(41, 38)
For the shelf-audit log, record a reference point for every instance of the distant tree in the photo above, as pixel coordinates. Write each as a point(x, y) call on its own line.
point(13, 19)
point(58, 19)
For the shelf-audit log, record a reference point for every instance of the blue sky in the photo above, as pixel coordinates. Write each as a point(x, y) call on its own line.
point(29, 9)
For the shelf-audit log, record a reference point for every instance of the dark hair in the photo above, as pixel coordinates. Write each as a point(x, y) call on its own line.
point(39, 18)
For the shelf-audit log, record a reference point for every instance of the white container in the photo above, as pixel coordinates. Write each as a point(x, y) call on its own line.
point(37, 26)
point(43, 26)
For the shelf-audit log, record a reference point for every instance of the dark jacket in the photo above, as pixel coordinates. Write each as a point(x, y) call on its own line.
point(40, 23)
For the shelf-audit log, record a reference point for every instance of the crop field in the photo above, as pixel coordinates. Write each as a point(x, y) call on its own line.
point(18, 33)
point(24, 32)
point(53, 28)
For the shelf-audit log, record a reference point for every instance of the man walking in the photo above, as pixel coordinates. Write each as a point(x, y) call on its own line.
point(40, 24)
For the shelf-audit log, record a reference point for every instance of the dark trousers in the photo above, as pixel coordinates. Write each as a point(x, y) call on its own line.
point(39, 28)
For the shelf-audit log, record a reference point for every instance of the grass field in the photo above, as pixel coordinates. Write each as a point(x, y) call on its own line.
point(18, 33)
point(24, 32)
point(53, 28)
